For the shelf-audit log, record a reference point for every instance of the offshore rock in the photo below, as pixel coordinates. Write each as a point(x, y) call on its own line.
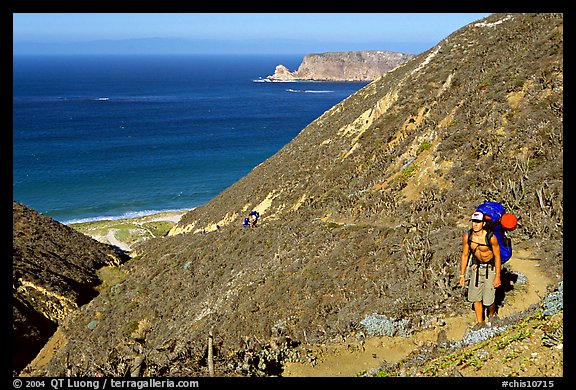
point(364, 65)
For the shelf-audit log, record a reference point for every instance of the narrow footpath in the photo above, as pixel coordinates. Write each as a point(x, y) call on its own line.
point(348, 359)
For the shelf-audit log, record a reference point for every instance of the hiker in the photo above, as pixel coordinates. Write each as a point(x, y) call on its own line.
point(246, 222)
point(484, 268)
point(254, 215)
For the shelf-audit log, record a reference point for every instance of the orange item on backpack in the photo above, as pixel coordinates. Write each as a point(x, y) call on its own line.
point(509, 221)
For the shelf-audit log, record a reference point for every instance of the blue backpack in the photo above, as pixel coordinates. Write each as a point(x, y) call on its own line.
point(495, 214)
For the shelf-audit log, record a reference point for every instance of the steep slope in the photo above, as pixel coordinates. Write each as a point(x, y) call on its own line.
point(361, 214)
point(53, 272)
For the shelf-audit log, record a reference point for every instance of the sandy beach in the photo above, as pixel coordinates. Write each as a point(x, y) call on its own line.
point(167, 216)
point(128, 232)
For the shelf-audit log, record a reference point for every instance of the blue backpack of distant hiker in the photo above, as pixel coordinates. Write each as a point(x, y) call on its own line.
point(498, 222)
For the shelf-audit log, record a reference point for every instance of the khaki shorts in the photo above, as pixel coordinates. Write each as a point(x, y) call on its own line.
point(485, 291)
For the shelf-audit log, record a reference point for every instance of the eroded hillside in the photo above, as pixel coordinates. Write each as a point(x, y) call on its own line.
point(54, 271)
point(361, 214)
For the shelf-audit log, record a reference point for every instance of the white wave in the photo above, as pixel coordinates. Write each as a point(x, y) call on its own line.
point(126, 215)
point(308, 91)
point(103, 99)
point(261, 80)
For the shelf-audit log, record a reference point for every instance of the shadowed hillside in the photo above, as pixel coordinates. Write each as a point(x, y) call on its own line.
point(54, 271)
point(361, 214)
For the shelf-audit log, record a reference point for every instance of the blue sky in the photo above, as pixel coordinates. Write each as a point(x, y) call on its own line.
point(240, 32)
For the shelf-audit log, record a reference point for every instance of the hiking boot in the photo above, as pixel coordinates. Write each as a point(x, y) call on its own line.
point(494, 321)
point(479, 325)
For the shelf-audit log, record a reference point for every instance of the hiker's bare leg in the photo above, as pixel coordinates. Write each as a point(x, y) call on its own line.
point(479, 311)
point(492, 310)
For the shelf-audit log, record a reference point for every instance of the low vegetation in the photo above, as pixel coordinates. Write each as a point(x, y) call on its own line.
point(361, 214)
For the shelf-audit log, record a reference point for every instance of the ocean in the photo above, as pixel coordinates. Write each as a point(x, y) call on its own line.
point(109, 137)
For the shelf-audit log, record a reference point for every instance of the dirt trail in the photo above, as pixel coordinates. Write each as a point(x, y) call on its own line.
point(347, 359)
point(113, 241)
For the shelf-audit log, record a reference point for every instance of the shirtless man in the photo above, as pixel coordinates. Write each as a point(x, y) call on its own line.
point(485, 269)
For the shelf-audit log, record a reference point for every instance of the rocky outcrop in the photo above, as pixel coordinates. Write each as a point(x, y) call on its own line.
point(343, 66)
point(53, 273)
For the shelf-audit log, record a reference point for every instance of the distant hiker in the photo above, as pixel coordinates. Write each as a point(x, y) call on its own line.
point(482, 249)
point(246, 222)
point(254, 215)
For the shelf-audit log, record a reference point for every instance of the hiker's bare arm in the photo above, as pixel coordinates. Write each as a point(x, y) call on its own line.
point(497, 260)
point(464, 258)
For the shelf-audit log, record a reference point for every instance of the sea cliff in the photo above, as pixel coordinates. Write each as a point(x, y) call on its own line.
point(342, 66)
